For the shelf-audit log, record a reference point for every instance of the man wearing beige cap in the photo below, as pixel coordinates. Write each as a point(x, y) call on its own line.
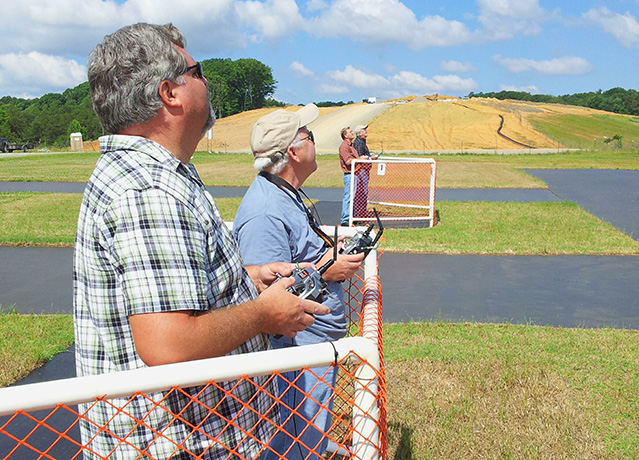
point(273, 223)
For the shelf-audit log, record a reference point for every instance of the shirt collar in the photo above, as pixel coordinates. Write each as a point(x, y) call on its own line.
point(139, 144)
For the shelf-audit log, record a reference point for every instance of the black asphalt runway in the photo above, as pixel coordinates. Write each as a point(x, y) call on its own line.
point(611, 195)
point(566, 291)
point(333, 195)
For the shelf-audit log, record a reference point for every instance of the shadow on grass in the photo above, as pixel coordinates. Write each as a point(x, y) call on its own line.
point(404, 449)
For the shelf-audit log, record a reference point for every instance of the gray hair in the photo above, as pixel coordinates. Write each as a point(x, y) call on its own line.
point(126, 69)
point(278, 160)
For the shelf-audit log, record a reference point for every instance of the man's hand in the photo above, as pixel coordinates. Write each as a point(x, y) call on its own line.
point(286, 314)
point(345, 266)
point(264, 275)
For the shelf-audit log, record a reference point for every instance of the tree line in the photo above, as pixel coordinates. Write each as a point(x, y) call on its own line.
point(234, 86)
point(617, 100)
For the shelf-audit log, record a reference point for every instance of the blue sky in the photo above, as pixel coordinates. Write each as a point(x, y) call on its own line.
point(336, 50)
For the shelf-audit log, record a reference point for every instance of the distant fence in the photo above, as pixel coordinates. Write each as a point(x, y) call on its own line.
point(401, 190)
point(40, 421)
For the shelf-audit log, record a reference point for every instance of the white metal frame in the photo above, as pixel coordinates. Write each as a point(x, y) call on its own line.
point(431, 199)
point(366, 415)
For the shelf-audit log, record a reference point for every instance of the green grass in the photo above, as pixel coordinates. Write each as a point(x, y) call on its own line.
point(28, 341)
point(453, 170)
point(513, 229)
point(50, 219)
point(458, 391)
point(38, 219)
point(66, 167)
point(462, 391)
point(588, 132)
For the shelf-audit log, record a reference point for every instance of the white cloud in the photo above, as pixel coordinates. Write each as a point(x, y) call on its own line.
point(506, 19)
point(301, 69)
point(34, 73)
point(402, 83)
point(569, 65)
point(412, 82)
point(272, 18)
point(456, 66)
point(624, 27)
point(392, 68)
point(326, 88)
point(521, 9)
point(532, 89)
point(358, 78)
point(379, 22)
point(316, 5)
point(74, 27)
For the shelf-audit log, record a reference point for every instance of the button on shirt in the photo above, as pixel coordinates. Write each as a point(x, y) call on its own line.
point(150, 239)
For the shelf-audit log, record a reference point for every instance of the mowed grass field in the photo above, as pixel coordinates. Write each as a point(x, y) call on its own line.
point(455, 391)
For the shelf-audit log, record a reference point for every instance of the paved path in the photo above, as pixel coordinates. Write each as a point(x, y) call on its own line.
point(567, 291)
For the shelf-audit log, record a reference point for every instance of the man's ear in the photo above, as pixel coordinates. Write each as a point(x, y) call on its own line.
point(168, 94)
point(292, 154)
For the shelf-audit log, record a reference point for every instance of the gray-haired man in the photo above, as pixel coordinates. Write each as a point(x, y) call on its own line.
point(273, 223)
point(155, 267)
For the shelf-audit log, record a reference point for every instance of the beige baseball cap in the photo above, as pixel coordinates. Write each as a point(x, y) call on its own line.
point(359, 128)
point(273, 133)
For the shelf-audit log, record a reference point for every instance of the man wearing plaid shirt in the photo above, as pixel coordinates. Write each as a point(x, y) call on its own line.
point(155, 268)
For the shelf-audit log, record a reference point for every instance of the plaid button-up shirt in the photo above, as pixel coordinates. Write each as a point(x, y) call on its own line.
point(150, 239)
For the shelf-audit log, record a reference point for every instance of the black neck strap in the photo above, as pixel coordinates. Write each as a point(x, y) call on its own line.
point(272, 178)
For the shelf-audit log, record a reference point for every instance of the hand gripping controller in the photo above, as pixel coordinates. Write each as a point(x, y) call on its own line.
point(363, 241)
point(309, 283)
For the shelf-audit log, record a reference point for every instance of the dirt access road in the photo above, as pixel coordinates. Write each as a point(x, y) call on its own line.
point(327, 127)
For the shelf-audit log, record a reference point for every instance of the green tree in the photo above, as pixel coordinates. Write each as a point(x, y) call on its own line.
point(75, 127)
point(236, 86)
point(4, 124)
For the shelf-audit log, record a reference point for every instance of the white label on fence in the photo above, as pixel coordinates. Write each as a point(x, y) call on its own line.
point(381, 169)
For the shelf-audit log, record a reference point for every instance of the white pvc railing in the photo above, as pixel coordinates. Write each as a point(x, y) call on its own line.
point(366, 433)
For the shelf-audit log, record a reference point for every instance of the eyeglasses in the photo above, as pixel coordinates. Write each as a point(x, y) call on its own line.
point(309, 137)
point(199, 74)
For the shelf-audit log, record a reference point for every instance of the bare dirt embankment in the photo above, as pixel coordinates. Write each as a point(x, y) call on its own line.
point(414, 124)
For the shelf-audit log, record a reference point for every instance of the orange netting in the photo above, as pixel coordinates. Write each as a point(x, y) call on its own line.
point(399, 190)
point(356, 408)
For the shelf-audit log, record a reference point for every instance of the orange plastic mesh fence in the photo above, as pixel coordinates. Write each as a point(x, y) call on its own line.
point(399, 189)
point(357, 409)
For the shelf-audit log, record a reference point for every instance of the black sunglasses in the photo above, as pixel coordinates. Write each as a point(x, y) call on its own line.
point(199, 74)
point(309, 137)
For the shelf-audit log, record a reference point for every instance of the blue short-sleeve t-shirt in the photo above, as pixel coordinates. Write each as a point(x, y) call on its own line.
point(271, 225)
